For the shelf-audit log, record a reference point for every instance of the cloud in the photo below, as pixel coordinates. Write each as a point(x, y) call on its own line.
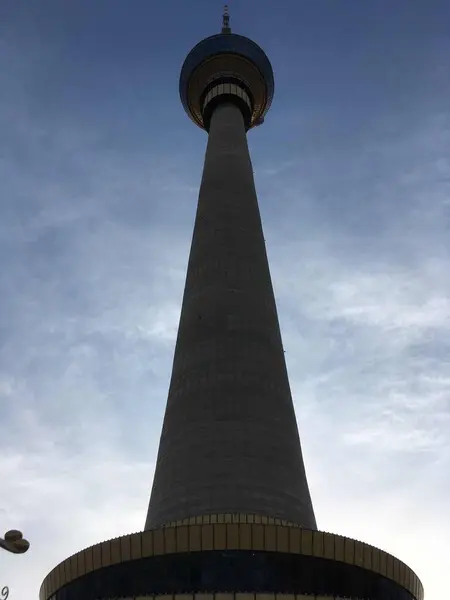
point(366, 324)
point(93, 307)
point(90, 287)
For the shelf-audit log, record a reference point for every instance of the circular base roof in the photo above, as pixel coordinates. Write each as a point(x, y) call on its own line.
point(263, 554)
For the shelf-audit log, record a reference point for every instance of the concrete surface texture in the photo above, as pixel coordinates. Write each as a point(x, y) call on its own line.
point(229, 442)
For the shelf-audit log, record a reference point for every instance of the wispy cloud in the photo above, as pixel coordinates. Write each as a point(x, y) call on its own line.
point(366, 324)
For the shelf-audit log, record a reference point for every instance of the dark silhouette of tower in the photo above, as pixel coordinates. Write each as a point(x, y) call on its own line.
point(230, 512)
point(229, 442)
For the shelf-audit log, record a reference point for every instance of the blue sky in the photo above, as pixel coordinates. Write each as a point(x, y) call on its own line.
point(99, 173)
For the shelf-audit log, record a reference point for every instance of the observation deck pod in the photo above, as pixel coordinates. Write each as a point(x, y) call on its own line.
point(235, 62)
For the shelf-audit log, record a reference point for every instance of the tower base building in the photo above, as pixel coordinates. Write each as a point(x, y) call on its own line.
point(230, 514)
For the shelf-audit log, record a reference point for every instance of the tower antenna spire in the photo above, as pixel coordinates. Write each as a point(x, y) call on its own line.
point(226, 20)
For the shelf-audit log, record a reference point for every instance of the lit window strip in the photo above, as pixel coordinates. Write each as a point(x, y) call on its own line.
point(227, 88)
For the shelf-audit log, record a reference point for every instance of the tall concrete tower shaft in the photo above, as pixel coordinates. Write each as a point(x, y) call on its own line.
point(229, 442)
point(230, 514)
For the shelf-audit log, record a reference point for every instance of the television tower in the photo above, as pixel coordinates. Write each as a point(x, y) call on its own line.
point(230, 515)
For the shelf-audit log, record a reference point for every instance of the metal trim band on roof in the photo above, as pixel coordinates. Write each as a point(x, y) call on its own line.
point(233, 532)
